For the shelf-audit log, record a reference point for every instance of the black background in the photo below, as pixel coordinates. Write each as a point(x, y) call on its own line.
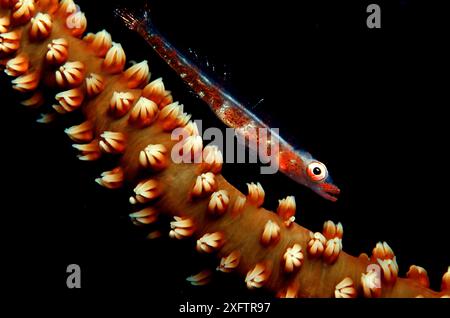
point(369, 103)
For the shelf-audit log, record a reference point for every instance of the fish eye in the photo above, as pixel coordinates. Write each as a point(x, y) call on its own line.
point(317, 171)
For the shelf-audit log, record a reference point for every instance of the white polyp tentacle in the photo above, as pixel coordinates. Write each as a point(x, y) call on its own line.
point(218, 202)
point(112, 142)
point(204, 184)
point(382, 251)
point(316, 244)
point(332, 250)
point(345, 289)
point(167, 100)
point(81, 133)
point(331, 230)
point(293, 258)
point(115, 59)
point(333, 247)
point(286, 210)
point(212, 159)
point(230, 262)
point(200, 279)
point(191, 128)
point(385, 257)
point(445, 284)
point(389, 268)
point(257, 277)
point(145, 216)
point(69, 100)
point(23, 10)
point(10, 41)
point(100, 42)
point(169, 116)
point(18, 65)
point(153, 157)
point(271, 233)
point(46, 118)
point(70, 74)
point(67, 7)
point(5, 22)
point(146, 191)
point(155, 91)
point(27, 82)
point(76, 23)
point(111, 179)
point(57, 53)
point(192, 148)
point(238, 205)
point(121, 103)
point(256, 194)
point(183, 120)
point(419, 274)
point(181, 228)
point(88, 152)
point(137, 75)
point(95, 84)
point(144, 112)
point(210, 242)
point(41, 26)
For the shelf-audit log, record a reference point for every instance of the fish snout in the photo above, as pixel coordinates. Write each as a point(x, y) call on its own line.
point(328, 191)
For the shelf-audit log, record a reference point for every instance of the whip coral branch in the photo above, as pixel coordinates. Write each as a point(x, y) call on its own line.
point(42, 41)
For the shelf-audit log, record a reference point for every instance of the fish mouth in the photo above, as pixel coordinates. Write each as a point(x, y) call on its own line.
point(328, 191)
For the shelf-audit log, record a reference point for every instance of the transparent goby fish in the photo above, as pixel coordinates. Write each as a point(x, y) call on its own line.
point(297, 164)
